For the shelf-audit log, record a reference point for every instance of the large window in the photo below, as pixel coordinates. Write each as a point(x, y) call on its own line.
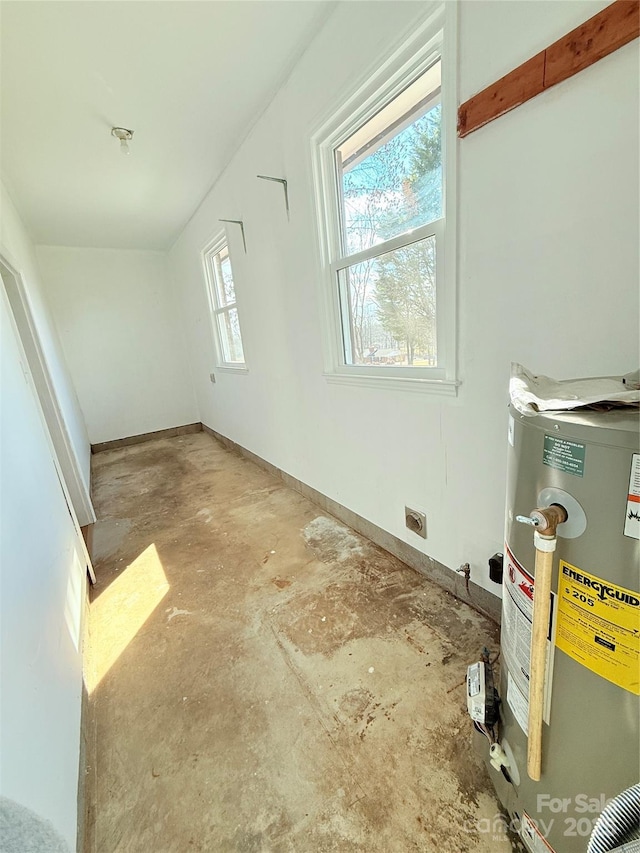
point(222, 300)
point(382, 176)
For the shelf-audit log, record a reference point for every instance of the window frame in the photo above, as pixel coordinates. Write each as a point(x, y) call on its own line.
point(435, 39)
point(216, 310)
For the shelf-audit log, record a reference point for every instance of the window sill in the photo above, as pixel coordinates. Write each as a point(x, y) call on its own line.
point(227, 368)
point(443, 387)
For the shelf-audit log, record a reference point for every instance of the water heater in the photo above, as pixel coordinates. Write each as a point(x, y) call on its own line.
point(588, 463)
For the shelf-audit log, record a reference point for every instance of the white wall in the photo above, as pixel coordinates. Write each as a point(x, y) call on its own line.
point(529, 186)
point(119, 324)
point(548, 275)
point(548, 205)
point(42, 592)
point(18, 250)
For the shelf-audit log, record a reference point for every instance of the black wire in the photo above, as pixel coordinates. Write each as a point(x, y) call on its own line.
point(506, 775)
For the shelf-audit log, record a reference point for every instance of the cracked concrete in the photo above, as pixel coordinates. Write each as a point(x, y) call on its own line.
point(263, 679)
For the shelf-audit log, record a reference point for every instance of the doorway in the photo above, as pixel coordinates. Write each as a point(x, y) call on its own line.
point(68, 463)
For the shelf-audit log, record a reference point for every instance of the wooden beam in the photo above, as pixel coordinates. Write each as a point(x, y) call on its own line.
point(610, 29)
point(515, 88)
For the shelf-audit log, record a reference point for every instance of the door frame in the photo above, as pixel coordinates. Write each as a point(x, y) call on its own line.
point(64, 456)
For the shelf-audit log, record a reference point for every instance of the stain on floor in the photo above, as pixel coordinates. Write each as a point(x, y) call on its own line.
point(265, 680)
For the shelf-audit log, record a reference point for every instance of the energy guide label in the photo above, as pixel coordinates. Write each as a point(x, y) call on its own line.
point(598, 625)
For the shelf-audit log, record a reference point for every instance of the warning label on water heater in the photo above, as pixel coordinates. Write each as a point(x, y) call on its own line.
point(632, 518)
point(517, 618)
point(564, 455)
point(599, 626)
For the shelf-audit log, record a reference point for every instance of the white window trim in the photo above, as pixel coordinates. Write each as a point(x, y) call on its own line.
point(212, 248)
point(435, 38)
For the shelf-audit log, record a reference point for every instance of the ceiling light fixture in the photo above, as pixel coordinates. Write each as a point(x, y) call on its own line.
point(124, 136)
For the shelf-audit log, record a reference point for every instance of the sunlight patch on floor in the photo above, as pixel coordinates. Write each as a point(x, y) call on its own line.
point(117, 615)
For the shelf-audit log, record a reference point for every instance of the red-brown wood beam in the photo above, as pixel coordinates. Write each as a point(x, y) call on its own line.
point(611, 29)
point(607, 31)
point(519, 86)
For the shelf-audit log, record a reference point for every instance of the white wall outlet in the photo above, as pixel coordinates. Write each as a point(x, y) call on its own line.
point(415, 521)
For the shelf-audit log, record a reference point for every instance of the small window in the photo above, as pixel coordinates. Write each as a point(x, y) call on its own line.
point(382, 176)
point(224, 311)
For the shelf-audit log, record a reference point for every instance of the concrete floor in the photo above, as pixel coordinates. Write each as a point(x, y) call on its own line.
point(263, 679)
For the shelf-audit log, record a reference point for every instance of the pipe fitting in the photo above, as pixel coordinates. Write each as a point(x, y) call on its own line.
point(498, 757)
point(544, 543)
point(549, 518)
point(465, 569)
point(545, 519)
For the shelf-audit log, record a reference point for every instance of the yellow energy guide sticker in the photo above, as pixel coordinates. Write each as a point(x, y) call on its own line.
point(599, 626)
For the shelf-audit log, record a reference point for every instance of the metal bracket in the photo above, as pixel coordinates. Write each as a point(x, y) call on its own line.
point(241, 224)
point(284, 187)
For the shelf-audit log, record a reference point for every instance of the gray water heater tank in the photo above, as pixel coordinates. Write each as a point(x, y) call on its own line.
point(589, 463)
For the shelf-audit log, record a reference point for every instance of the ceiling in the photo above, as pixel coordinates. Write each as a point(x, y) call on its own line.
point(189, 78)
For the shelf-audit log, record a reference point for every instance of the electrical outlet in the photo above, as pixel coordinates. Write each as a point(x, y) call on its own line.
point(415, 521)
point(212, 377)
